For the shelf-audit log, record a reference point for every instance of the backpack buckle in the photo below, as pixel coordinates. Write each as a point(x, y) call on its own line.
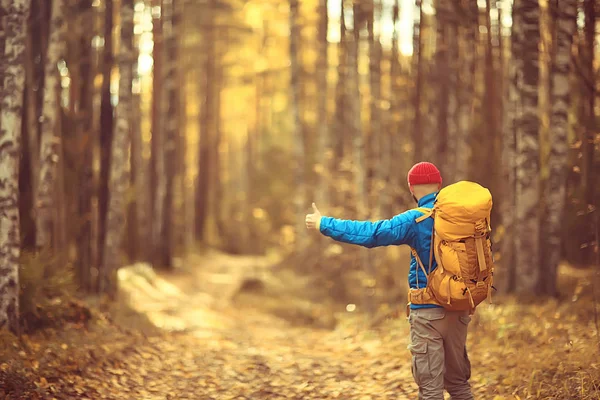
point(480, 284)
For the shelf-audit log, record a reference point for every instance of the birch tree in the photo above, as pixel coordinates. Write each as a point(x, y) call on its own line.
point(45, 204)
point(527, 125)
point(119, 172)
point(14, 31)
point(555, 189)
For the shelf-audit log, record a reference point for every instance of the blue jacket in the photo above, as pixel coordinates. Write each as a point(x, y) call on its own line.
point(401, 229)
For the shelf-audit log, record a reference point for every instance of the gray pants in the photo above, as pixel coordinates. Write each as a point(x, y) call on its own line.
point(439, 353)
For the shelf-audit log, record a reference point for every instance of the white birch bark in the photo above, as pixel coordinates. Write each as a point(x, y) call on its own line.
point(555, 190)
point(15, 27)
point(119, 166)
point(45, 203)
point(527, 197)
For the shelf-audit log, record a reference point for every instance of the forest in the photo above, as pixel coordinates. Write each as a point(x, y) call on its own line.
point(158, 158)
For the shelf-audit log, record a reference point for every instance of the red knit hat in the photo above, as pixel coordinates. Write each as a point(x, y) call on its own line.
point(424, 173)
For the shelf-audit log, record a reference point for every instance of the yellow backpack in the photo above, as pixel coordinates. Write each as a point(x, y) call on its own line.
point(461, 246)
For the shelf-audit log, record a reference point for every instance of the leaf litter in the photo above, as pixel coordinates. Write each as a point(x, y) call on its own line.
point(192, 341)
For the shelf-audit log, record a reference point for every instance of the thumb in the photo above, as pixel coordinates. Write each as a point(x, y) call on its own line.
point(315, 209)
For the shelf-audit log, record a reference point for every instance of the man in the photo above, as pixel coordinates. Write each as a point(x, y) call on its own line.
point(437, 336)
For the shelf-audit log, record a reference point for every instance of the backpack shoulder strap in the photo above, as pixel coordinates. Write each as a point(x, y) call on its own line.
point(427, 212)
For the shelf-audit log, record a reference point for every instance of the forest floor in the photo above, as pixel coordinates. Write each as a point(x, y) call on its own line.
point(228, 328)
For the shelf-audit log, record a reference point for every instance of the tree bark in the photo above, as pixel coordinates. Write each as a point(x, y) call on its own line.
point(14, 30)
point(589, 97)
point(139, 172)
point(338, 142)
point(555, 190)
point(46, 203)
point(169, 118)
point(393, 152)
point(206, 142)
point(378, 139)
point(418, 45)
point(119, 172)
point(299, 179)
point(87, 72)
point(324, 141)
point(468, 34)
point(106, 128)
point(527, 197)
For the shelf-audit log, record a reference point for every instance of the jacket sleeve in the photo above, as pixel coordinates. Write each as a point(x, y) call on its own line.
point(395, 231)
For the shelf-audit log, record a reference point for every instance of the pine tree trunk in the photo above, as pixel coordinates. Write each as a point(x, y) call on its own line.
point(418, 61)
point(159, 142)
point(324, 141)
point(589, 98)
point(206, 141)
point(449, 151)
point(46, 203)
point(468, 34)
point(527, 123)
point(299, 190)
point(338, 142)
point(393, 152)
point(435, 147)
point(119, 172)
point(377, 136)
point(85, 259)
point(156, 144)
point(555, 190)
point(106, 129)
point(169, 109)
point(13, 36)
point(140, 173)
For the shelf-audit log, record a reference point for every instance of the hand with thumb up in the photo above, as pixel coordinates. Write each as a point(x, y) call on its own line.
point(313, 221)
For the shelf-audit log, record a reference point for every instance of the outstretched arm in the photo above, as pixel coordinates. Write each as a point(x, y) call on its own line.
point(394, 231)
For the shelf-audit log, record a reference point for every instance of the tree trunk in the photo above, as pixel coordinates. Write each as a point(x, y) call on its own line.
point(140, 173)
point(468, 34)
point(555, 190)
point(509, 152)
point(87, 72)
point(324, 141)
point(46, 203)
point(13, 35)
point(338, 142)
point(393, 152)
point(435, 147)
point(299, 182)
point(527, 195)
point(449, 150)
point(589, 97)
point(169, 118)
point(156, 144)
point(106, 128)
point(206, 142)
point(119, 172)
point(378, 139)
point(418, 45)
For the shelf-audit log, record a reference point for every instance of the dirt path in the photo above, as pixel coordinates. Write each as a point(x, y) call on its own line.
point(212, 343)
point(220, 351)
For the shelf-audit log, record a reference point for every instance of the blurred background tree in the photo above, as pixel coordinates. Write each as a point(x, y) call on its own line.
point(150, 129)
